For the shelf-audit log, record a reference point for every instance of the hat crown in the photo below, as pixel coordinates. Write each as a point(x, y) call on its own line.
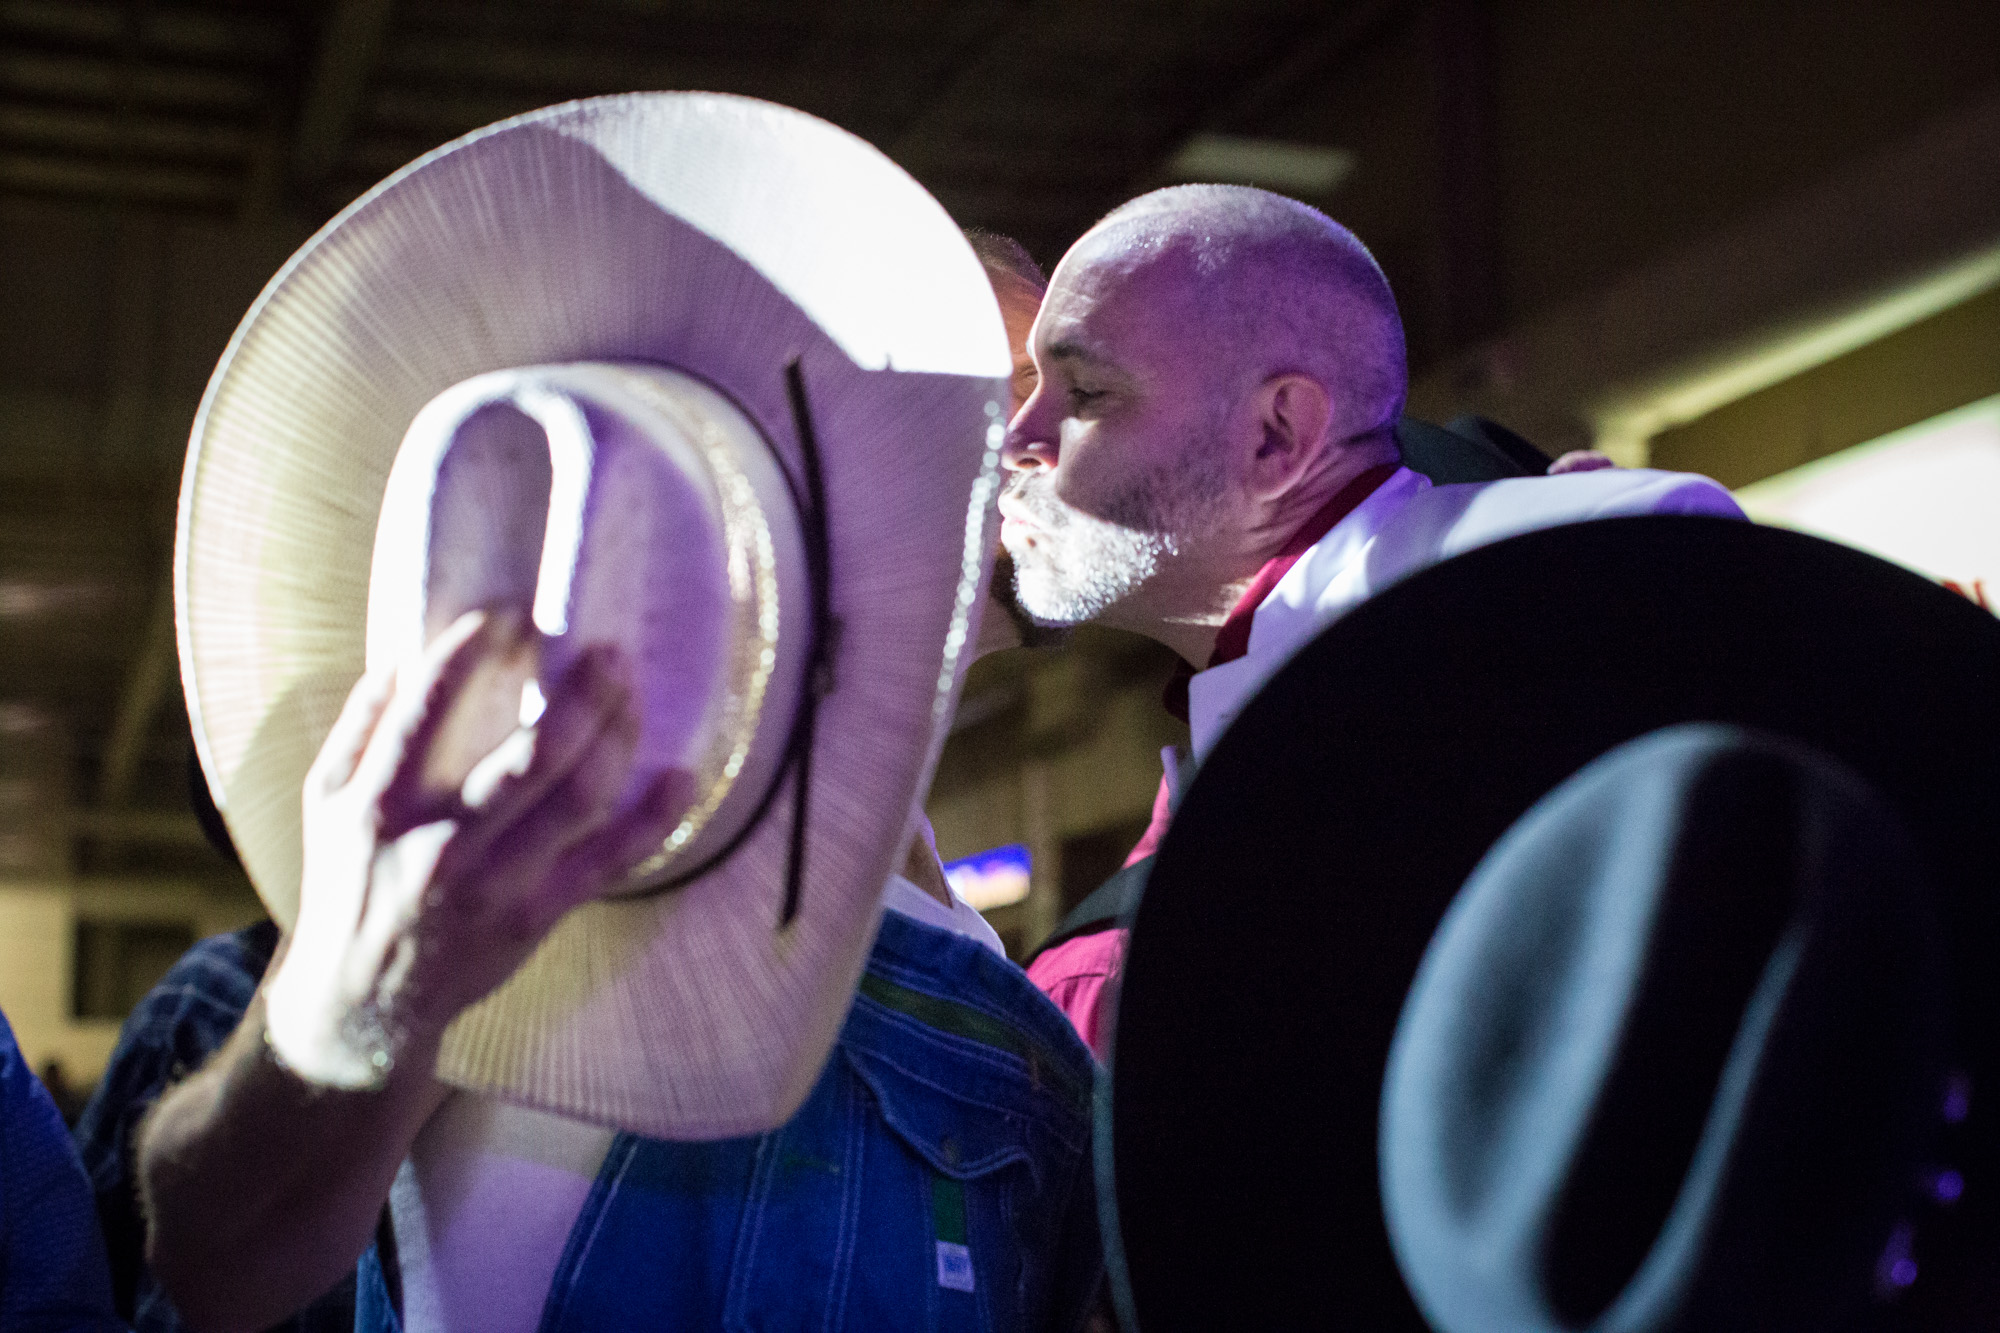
point(607, 504)
point(1688, 978)
point(816, 287)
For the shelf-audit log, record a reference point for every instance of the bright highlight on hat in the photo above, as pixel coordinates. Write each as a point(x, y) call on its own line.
point(564, 369)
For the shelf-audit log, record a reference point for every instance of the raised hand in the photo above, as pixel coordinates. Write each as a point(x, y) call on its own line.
point(435, 861)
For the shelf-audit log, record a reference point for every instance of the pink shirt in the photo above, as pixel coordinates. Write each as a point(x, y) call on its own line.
point(1081, 976)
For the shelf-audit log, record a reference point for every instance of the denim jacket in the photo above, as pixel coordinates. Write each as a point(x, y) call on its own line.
point(938, 1176)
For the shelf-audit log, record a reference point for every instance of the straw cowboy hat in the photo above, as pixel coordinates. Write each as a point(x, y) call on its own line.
point(697, 375)
point(1717, 806)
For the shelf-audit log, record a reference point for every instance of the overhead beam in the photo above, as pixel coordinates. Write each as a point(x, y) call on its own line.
point(572, 67)
point(93, 131)
point(178, 31)
point(147, 681)
point(334, 93)
point(113, 80)
point(1353, 26)
point(1891, 238)
point(1250, 107)
point(994, 59)
point(36, 173)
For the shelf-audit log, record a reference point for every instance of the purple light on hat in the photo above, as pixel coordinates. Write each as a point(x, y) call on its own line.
point(1947, 1186)
point(1896, 1270)
point(1957, 1099)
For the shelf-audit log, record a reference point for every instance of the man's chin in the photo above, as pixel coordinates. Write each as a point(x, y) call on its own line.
point(1037, 631)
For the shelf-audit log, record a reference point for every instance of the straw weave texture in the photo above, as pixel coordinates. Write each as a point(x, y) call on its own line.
point(720, 236)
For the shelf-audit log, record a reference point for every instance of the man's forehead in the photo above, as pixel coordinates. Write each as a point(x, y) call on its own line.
point(1109, 289)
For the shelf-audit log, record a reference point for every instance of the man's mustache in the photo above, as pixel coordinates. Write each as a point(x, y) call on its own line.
point(1033, 494)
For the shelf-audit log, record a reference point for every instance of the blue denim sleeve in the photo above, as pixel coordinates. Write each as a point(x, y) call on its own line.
point(52, 1271)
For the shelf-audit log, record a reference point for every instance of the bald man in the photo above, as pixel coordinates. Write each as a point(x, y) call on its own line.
point(1209, 460)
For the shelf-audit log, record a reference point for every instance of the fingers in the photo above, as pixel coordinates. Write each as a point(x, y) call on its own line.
point(590, 699)
point(403, 870)
point(341, 750)
point(583, 758)
point(506, 871)
point(1580, 460)
point(423, 689)
point(590, 866)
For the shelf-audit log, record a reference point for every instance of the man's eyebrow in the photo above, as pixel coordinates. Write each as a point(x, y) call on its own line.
point(1069, 350)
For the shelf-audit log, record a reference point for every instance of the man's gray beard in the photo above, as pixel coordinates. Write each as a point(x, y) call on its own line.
point(1080, 566)
point(1083, 566)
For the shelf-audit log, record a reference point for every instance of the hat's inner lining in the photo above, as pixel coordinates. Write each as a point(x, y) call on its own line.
point(489, 517)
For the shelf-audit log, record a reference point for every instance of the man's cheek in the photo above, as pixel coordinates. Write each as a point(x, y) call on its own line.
point(1074, 478)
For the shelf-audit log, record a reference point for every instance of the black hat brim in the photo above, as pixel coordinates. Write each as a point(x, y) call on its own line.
point(1330, 828)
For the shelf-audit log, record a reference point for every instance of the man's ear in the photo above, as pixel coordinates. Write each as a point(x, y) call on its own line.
point(1292, 413)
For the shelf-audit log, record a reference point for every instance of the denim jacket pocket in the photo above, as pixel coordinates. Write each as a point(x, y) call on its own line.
point(999, 1167)
point(894, 1200)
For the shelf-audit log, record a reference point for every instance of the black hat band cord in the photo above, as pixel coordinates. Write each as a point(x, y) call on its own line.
point(809, 499)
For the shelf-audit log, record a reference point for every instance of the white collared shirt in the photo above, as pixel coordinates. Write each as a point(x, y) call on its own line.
point(485, 1204)
point(1408, 525)
point(961, 918)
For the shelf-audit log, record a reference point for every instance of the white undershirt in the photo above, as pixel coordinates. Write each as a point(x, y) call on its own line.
point(961, 918)
point(485, 1204)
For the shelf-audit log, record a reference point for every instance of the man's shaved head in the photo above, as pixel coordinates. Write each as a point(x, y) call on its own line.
point(1215, 363)
point(1283, 288)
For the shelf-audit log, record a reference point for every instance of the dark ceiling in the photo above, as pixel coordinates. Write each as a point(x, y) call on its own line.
point(159, 158)
point(1027, 117)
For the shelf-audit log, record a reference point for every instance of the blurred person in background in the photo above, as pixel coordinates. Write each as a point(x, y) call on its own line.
point(1209, 459)
point(664, 1216)
point(67, 1096)
point(178, 1025)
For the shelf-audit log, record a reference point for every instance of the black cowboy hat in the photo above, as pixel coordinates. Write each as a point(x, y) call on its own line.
point(1689, 979)
point(1333, 825)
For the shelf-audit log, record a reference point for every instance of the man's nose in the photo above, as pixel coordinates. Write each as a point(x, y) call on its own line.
point(1031, 436)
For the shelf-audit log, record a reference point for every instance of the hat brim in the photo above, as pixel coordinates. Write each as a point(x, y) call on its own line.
point(1332, 825)
point(720, 236)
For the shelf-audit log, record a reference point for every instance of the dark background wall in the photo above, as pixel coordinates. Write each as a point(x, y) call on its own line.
point(1577, 201)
